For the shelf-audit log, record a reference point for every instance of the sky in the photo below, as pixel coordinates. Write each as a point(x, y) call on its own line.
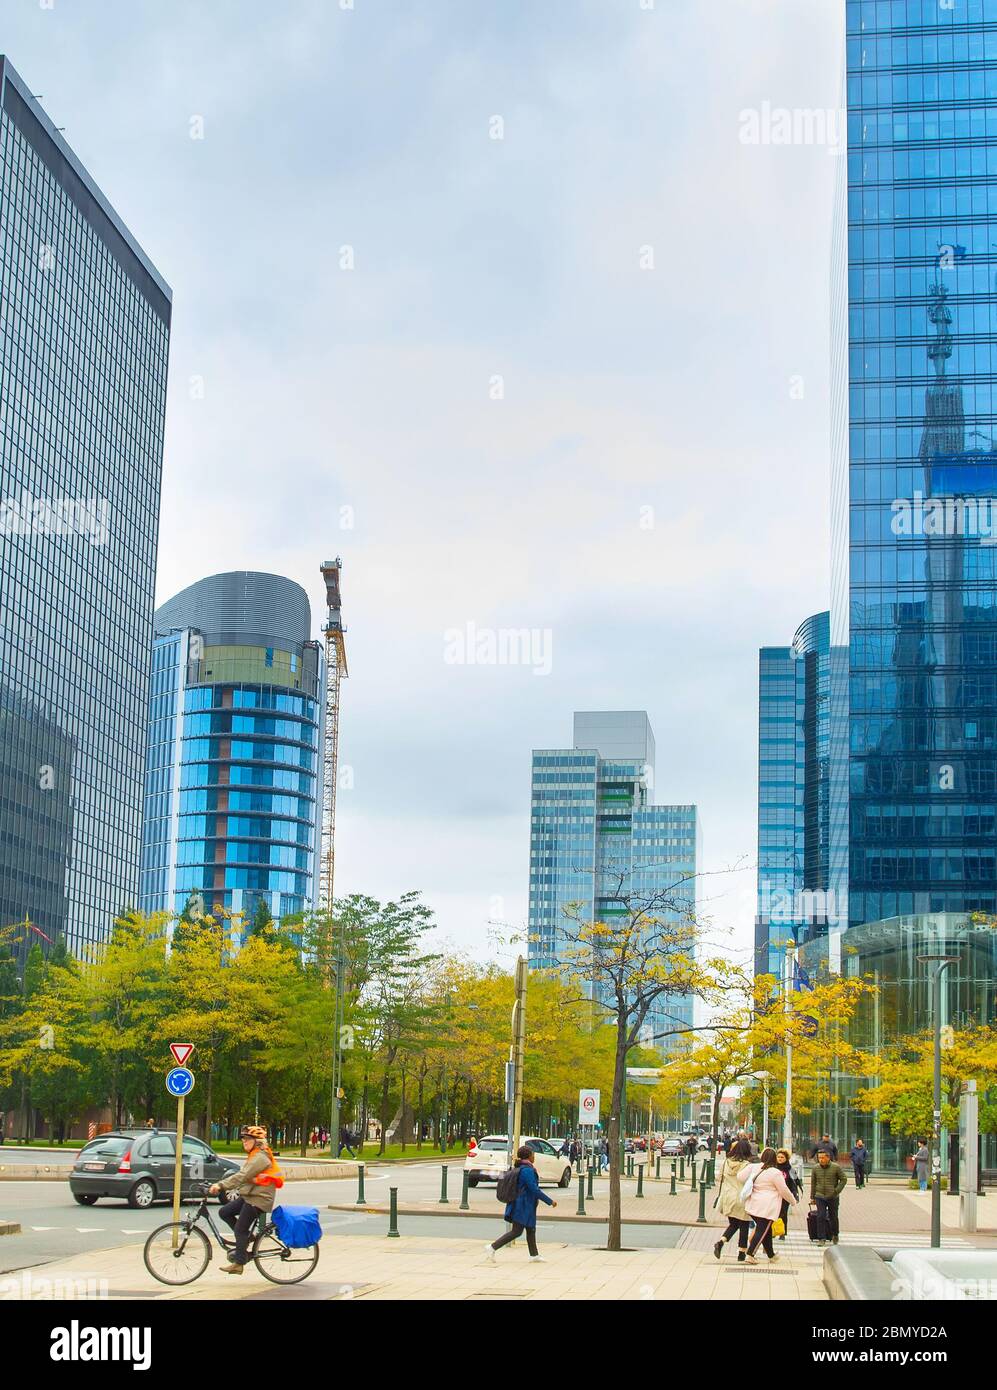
point(522, 310)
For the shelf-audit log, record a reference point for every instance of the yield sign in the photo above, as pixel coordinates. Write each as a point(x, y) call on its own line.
point(181, 1051)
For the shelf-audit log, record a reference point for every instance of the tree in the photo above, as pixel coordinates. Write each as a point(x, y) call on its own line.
point(903, 1090)
point(644, 954)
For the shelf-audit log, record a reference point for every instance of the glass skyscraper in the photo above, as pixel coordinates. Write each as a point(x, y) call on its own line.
point(596, 837)
point(84, 341)
point(915, 584)
point(234, 749)
point(794, 900)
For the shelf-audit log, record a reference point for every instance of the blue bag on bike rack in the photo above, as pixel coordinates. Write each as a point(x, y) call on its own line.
point(297, 1227)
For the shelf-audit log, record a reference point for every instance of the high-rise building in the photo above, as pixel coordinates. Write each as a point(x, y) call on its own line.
point(914, 608)
point(84, 341)
point(596, 838)
point(794, 901)
point(231, 804)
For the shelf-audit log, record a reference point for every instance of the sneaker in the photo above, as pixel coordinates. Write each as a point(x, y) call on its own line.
point(773, 1259)
point(718, 1249)
point(490, 1253)
point(834, 1240)
point(537, 1260)
point(741, 1257)
point(751, 1259)
point(233, 1269)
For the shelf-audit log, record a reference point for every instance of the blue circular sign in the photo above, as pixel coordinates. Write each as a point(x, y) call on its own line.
point(180, 1081)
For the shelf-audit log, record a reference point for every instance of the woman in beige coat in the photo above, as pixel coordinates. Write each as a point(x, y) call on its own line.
point(737, 1166)
point(768, 1193)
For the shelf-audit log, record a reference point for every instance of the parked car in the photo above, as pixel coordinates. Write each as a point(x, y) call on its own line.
point(137, 1166)
point(492, 1159)
point(673, 1147)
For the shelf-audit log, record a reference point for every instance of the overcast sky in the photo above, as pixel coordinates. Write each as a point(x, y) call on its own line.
point(617, 306)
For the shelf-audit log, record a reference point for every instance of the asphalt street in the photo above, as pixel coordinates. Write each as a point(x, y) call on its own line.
point(54, 1226)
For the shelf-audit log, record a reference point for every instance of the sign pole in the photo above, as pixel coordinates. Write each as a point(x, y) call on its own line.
point(177, 1171)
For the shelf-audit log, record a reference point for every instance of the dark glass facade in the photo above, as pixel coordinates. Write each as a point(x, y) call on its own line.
point(234, 749)
point(84, 340)
point(794, 897)
point(916, 560)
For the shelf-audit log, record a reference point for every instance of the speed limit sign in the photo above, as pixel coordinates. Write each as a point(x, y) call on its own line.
point(588, 1107)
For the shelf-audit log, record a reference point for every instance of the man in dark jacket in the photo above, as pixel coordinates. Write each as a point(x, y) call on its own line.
point(827, 1182)
point(859, 1157)
point(825, 1145)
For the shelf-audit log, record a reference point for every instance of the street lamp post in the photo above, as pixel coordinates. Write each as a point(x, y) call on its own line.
point(943, 963)
point(764, 1077)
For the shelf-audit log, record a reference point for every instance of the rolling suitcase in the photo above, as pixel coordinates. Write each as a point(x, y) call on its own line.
point(818, 1226)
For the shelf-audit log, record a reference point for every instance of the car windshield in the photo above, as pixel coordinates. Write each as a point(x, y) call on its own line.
point(106, 1146)
point(493, 1145)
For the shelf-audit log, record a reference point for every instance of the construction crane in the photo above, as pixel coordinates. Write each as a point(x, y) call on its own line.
point(335, 670)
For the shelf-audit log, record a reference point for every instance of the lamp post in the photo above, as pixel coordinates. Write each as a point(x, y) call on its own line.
point(942, 964)
point(764, 1077)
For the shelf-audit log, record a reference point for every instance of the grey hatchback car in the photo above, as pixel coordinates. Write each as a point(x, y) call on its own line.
point(137, 1166)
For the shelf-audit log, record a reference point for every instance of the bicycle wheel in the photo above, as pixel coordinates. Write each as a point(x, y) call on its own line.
point(177, 1264)
point(279, 1263)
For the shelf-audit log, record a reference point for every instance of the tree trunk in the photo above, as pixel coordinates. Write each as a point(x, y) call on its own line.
point(614, 1238)
point(403, 1110)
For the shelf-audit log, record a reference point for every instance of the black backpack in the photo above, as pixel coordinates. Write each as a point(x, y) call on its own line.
point(507, 1186)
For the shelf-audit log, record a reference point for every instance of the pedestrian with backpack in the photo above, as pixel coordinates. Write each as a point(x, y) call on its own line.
point(519, 1187)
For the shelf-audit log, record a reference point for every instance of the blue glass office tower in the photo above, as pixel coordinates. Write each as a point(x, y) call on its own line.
point(592, 823)
point(915, 586)
point(794, 898)
point(234, 749)
point(84, 340)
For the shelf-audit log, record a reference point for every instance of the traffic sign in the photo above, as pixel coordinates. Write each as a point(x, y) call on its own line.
point(179, 1081)
point(588, 1107)
point(181, 1051)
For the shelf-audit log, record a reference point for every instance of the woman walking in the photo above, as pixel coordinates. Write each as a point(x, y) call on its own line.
point(522, 1212)
point(737, 1164)
point(768, 1192)
point(784, 1162)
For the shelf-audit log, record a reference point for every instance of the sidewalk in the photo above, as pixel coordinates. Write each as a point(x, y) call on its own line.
point(883, 1210)
point(416, 1268)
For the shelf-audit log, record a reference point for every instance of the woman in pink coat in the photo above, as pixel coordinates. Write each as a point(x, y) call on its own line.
point(768, 1193)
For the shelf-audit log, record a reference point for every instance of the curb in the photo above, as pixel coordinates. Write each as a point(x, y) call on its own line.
point(488, 1216)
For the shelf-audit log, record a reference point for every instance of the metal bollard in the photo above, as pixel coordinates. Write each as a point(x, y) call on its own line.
point(693, 1163)
point(444, 1199)
point(581, 1197)
point(591, 1177)
point(711, 1169)
point(701, 1218)
point(682, 1168)
point(361, 1199)
point(657, 1168)
point(671, 1190)
point(465, 1205)
point(640, 1179)
point(393, 1212)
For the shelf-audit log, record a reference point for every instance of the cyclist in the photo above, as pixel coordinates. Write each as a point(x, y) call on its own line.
point(255, 1185)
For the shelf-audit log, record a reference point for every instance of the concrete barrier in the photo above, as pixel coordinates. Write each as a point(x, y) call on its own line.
point(857, 1273)
point(9, 1228)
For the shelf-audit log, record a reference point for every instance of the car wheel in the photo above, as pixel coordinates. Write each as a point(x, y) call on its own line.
point(143, 1194)
point(472, 1180)
point(565, 1179)
point(85, 1199)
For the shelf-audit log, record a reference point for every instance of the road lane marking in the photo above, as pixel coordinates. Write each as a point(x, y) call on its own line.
point(88, 1230)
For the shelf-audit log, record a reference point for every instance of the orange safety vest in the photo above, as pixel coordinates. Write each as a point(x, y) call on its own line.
point(272, 1177)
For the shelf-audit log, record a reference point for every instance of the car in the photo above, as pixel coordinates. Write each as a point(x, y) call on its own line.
point(672, 1148)
point(137, 1166)
point(492, 1159)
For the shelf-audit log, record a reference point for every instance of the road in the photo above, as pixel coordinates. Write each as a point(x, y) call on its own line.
point(53, 1225)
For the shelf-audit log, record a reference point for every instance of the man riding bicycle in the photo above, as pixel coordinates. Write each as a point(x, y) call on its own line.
point(255, 1185)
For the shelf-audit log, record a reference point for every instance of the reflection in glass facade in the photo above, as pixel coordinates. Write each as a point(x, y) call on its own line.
point(84, 340)
point(794, 900)
point(234, 749)
point(592, 824)
point(920, 625)
point(886, 953)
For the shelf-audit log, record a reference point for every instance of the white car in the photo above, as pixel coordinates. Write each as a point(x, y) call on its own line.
point(492, 1159)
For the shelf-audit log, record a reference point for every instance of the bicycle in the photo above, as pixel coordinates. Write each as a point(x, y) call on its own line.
point(180, 1252)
